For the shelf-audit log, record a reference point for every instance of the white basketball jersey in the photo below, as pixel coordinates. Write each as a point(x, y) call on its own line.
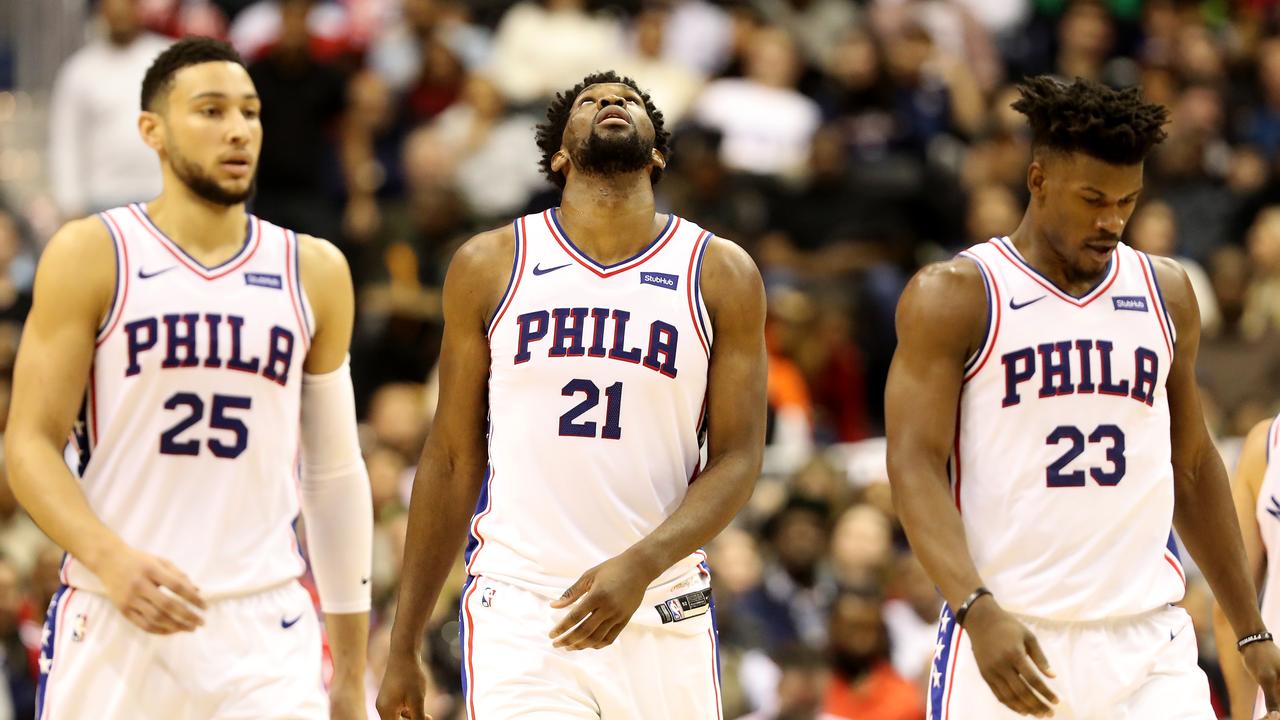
point(188, 439)
point(597, 388)
point(1062, 469)
point(1268, 516)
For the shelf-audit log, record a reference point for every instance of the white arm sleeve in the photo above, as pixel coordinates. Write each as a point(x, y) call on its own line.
point(337, 503)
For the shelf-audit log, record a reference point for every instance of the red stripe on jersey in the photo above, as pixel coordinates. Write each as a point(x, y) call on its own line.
point(715, 670)
point(1157, 307)
point(293, 245)
point(93, 410)
point(955, 457)
point(469, 651)
point(475, 522)
point(1174, 564)
point(180, 255)
point(631, 264)
point(1094, 294)
point(46, 713)
point(951, 681)
point(123, 259)
point(996, 315)
point(521, 245)
point(690, 291)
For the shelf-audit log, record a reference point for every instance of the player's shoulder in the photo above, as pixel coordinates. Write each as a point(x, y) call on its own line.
point(322, 258)
point(726, 264)
point(1167, 268)
point(83, 246)
point(485, 255)
point(326, 278)
point(945, 302)
point(77, 269)
point(730, 281)
point(957, 278)
point(726, 256)
point(479, 273)
point(1175, 287)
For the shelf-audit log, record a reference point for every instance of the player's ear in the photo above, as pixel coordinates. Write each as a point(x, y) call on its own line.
point(659, 160)
point(151, 129)
point(1036, 179)
point(559, 160)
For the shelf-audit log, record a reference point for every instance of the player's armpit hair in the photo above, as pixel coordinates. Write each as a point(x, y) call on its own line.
point(550, 133)
point(1115, 126)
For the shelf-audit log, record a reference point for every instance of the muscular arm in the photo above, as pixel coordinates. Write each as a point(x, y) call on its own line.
point(1203, 514)
point(73, 289)
point(453, 461)
point(337, 504)
point(736, 411)
point(1245, 487)
point(940, 321)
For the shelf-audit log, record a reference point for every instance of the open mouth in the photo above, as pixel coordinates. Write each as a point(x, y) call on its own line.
point(613, 116)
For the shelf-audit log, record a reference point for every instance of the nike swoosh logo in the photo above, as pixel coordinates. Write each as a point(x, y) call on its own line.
point(537, 269)
point(143, 275)
point(1018, 306)
point(287, 623)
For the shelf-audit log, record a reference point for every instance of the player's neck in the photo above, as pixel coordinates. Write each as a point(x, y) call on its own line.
point(1036, 249)
point(609, 220)
point(209, 232)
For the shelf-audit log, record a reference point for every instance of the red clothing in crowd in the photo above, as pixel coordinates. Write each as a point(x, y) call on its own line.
point(882, 695)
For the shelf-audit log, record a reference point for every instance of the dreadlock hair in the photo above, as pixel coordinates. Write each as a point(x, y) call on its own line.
point(551, 132)
point(1115, 126)
point(192, 50)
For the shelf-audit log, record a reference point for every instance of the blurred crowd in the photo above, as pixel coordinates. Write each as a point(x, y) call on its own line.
point(844, 143)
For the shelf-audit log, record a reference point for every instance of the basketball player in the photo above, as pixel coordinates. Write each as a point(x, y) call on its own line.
point(1256, 489)
point(1045, 437)
point(201, 346)
point(597, 338)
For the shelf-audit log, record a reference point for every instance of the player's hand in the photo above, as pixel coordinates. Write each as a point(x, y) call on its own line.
point(1262, 660)
point(347, 700)
point(404, 689)
point(151, 592)
point(1010, 659)
point(603, 601)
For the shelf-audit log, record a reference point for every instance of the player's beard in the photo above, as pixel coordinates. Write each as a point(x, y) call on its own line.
point(613, 155)
point(200, 183)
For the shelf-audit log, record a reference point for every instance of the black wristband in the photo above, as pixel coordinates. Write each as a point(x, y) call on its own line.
point(1263, 636)
point(968, 603)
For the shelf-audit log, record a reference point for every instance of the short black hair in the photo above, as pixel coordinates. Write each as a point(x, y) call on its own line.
point(1115, 126)
point(192, 50)
point(551, 132)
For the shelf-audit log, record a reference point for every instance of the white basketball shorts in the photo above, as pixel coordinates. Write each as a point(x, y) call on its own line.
point(1136, 668)
point(664, 664)
point(256, 657)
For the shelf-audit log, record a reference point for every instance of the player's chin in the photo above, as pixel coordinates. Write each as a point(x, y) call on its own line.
point(236, 187)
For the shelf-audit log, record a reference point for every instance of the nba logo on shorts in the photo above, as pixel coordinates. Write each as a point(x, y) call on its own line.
point(77, 629)
point(486, 598)
point(674, 606)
